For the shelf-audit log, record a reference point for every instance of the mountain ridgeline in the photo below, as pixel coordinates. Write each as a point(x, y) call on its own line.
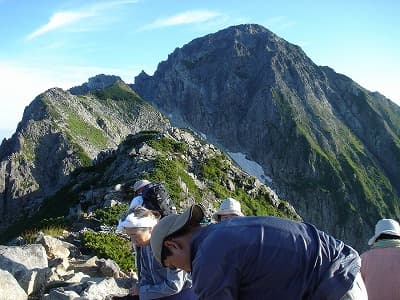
point(331, 147)
point(61, 132)
point(327, 146)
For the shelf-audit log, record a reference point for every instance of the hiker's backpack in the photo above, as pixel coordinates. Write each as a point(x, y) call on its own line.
point(155, 197)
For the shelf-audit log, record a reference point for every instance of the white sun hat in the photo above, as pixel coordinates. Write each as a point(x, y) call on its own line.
point(385, 226)
point(228, 206)
point(131, 221)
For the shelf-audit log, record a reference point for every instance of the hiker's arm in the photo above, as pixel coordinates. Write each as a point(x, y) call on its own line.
point(216, 282)
point(170, 282)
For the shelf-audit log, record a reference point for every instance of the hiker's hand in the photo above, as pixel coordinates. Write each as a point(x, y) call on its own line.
point(134, 291)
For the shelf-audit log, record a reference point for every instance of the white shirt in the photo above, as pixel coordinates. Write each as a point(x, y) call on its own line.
point(136, 201)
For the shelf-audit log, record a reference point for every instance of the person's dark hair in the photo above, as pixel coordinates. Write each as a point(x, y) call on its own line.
point(385, 236)
point(183, 231)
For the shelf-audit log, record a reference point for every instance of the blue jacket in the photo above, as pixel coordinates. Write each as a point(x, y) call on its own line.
point(157, 282)
point(270, 258)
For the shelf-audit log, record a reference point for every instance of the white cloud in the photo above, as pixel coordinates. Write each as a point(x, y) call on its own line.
point(188, 17)
point(65, 18)
point(59, 20)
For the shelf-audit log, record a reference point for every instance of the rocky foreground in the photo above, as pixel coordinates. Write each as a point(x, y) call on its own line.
point(53, 268)
point(63, 265)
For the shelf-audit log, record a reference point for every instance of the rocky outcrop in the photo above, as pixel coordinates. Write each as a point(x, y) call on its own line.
point(187, 165)
point(328, 146)
point(60, 132)
point(191, 169)
point(97, 82)
point(26, 270)
point(28, 264)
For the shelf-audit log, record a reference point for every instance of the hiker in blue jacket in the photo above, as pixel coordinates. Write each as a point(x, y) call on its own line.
point(258, 258)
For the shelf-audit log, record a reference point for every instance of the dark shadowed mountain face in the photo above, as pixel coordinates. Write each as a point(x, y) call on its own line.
point(331, 148)
point(60, 132)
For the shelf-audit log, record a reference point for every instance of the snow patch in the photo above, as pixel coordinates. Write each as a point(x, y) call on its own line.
point(251, 167)
point(203, 136)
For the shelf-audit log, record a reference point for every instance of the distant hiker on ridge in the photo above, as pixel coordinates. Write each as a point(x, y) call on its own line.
point(229, 208)
point(152, 196)
point(258, 258)
point(138, 188)
point(380, 266)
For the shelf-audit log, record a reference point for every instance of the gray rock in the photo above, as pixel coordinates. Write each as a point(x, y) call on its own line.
point(9, 287)
point(54, 247)
point(28, 264)
point(61, 295)
point(29, 257)
point(101, 288)
point(108, 267)
point(97, 82)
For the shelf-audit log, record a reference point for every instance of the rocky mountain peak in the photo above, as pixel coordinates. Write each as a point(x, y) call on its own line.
point(250, 91)
point(97, 82)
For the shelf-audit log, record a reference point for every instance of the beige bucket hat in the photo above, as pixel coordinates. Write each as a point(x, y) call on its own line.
point(228, 206)
point(171, 224)
point(387, 226)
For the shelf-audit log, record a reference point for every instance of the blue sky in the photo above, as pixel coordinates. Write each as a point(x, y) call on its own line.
point(47, 43)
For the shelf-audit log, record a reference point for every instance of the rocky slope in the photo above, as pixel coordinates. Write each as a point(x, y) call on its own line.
point(330, 147)
point(88, 208)
point(60, 132)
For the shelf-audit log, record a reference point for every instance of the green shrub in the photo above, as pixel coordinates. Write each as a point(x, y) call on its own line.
point(167, 145)
point(143, 136)
point(168, 171)
point(110, 215)
point(108, 245)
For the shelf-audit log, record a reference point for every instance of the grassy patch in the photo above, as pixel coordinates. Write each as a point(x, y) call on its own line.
point(31, 235)
point(79, 128)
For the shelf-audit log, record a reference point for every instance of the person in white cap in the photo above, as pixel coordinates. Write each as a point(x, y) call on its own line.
point(155, 281)
point(229, 208)
point(380, 266)
point(138, 188)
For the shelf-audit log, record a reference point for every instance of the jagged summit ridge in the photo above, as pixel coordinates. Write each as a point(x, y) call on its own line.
point(97, 82)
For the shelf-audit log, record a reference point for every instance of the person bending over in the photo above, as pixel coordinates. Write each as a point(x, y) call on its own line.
point(258, 258)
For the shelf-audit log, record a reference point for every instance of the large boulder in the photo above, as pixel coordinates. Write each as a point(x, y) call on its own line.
point(54, 247)
point(61, 295)
point(9, 287)
point(102, 288)
point(108, 267)
point(28, 264)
